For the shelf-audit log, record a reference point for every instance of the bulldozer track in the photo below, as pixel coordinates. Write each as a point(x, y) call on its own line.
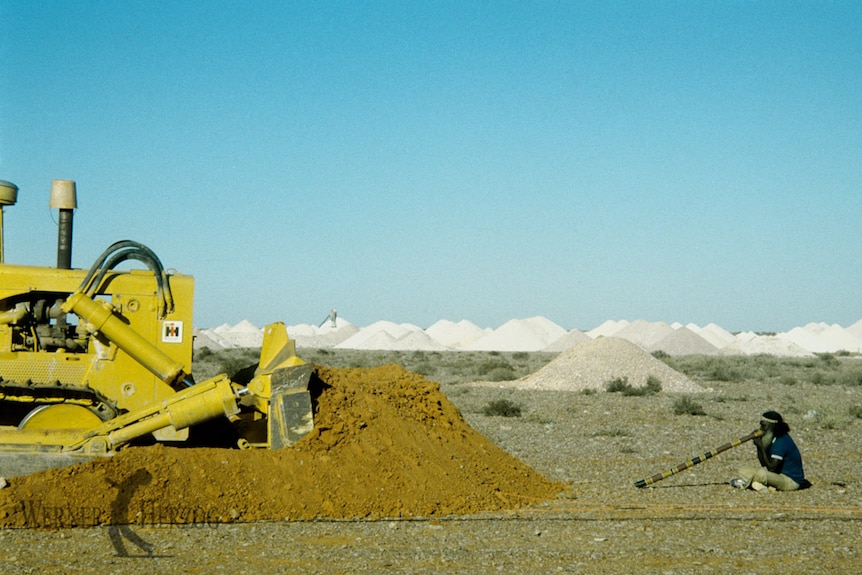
point(28, 393)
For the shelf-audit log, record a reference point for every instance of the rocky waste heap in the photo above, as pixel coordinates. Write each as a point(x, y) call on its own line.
point(591, 364)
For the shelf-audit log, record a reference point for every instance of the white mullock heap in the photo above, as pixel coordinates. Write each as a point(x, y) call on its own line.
point(541, 334)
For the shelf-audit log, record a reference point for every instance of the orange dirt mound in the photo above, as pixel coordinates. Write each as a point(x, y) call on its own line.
point(386, 443)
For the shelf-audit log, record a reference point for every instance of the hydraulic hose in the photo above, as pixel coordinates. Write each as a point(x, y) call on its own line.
point(125, 250)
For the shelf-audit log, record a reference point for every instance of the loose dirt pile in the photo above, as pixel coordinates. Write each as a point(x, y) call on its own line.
point(386, 443)
point(592, 364)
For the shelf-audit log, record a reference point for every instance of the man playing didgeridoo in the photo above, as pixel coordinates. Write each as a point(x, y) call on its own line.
point(780, 460)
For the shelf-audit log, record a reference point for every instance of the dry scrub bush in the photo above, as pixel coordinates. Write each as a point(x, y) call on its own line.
point(622, 385)
point(823, 369)
point(502, 408)
point(685, 405)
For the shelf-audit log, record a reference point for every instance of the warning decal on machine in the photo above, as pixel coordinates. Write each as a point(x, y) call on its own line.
point(172, 331)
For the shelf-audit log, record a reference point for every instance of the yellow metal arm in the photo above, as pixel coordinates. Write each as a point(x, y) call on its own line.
point(207, 400)
point(101, 317)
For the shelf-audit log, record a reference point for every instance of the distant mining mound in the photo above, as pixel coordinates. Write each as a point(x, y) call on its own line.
point(593, 363)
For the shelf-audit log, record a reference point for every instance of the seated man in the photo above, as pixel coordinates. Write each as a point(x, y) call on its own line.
point(780, 459)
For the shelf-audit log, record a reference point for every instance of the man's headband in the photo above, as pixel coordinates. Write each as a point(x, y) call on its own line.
point(771, 417)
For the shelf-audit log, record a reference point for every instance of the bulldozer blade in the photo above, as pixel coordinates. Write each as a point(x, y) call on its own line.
point(277, 351)
point(291, 416)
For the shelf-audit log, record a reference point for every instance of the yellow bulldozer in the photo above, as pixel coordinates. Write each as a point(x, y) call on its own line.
point(94, 360)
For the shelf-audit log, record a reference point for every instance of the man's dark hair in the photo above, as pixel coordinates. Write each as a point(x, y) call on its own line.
point(780, 427)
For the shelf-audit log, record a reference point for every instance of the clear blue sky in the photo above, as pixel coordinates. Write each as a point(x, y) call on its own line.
point(416, 161)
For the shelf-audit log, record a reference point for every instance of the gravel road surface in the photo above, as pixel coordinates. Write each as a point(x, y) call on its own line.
point(598, 443)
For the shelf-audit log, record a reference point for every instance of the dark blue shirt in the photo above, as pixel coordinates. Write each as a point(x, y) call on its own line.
point(784, 448)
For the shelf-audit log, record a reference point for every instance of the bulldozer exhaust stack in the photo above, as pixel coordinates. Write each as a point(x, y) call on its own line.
point(64, 198)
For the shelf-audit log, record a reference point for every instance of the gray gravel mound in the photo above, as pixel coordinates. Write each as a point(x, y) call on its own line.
point(571, 338)
point(592, 364)
point(683, 341)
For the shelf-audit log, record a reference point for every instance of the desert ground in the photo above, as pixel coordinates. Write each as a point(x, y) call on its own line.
point(594, 443)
